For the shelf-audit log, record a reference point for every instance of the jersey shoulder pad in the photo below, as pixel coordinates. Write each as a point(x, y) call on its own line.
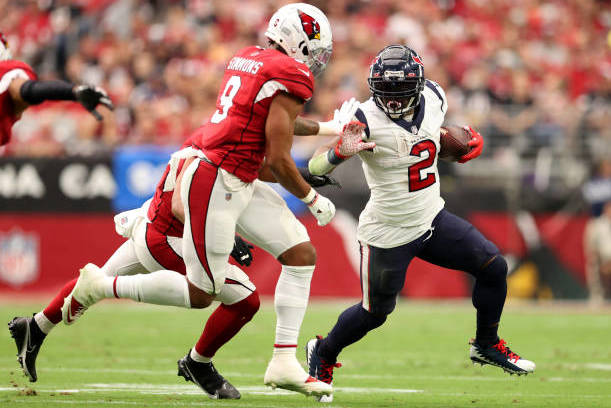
point(12, 65)
point(361, 116)
point(439, 93)
point(295, 77)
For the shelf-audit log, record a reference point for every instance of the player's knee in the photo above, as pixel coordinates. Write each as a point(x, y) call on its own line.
point(494, 269)
point(177, 208)
point(198, 298)
point(376, 317)
point(382, 307)
point(303, 254)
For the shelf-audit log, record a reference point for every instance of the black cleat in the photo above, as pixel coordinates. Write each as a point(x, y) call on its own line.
point(207, 378)
point(28, 345)
point(500, 355)
point(318, 367)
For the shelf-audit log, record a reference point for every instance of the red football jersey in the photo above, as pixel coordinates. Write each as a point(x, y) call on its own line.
point(234, 137)
point(10, 70)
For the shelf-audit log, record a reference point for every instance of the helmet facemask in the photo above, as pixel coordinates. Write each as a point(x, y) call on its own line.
point(396, 97)
point(396, 80)
point(318, 59)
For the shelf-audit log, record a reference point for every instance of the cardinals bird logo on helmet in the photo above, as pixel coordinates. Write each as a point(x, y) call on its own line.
point(5, 53)
point(310, 26)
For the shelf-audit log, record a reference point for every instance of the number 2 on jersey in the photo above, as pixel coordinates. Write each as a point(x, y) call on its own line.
point(415, 181)
point(233, 84)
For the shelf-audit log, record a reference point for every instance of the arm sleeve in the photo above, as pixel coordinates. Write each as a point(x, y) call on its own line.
point(35, 92)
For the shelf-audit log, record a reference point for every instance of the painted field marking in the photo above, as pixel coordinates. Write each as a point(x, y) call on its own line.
point(165, 389)
point(415, 377)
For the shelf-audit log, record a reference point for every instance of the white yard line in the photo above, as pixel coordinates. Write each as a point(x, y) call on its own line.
point(165, 389)
point(415, 377)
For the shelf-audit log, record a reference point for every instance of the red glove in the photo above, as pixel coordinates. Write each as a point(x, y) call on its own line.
point(476, 143)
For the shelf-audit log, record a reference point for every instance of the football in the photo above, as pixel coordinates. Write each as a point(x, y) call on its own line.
point(454, 142)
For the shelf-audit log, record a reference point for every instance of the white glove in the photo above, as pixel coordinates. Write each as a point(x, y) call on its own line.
point(341, 117)
point(320, 206)
point(351, 141)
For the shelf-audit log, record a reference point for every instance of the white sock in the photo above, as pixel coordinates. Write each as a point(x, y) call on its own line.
point(198, 357)
point(290, 302)
point(160, 288)
point(43, 322)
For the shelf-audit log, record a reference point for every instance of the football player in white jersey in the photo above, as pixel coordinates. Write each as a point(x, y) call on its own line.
point(396, 135)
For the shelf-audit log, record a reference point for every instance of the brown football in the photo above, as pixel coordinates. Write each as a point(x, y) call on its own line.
point(454, 143)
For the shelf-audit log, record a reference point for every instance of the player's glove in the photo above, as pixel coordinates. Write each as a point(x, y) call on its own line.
point(341, 117)
point(241, 251)
point(92, 96)
point(476, 143)
point(318, 181)
point(351, 142)
point(320, 206)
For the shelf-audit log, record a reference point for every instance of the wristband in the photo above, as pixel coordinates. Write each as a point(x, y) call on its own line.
point(310, 198)
point(320, 165)
point(35, 92)
point(326, 129)
point(334, 156)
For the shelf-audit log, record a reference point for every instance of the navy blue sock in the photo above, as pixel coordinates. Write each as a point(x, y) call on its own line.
point(489, 296)
point(352, 325)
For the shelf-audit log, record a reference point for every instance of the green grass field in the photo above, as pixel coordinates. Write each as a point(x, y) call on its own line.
point(124, 355)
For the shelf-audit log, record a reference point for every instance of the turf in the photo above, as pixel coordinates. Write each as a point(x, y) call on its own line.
point(124, 355)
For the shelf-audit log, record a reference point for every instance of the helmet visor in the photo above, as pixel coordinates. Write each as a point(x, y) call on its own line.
point(319, 59)
point(397, 97)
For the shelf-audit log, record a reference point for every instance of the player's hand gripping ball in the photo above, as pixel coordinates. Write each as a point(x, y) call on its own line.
point(460, 144)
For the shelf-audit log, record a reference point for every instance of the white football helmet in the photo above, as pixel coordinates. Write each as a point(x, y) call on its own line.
point(5, 53)
point(304, 33)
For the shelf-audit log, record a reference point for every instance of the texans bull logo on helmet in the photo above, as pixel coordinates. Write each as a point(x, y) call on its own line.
point(310, 26)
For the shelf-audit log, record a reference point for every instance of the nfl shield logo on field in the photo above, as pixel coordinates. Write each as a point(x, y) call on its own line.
point(227, 196)
point(19, 257)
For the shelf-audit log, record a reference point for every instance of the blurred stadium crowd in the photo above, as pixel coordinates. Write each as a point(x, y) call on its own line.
point(529, 73)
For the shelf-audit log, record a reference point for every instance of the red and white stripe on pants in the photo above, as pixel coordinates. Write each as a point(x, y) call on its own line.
point(213, 201)
point(364, 272)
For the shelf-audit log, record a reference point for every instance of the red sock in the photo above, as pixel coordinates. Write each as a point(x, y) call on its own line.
point(226, 322)
point(53, 312)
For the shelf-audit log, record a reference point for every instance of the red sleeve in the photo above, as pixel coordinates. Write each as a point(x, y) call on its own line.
point(12, 65)
point(296, 78)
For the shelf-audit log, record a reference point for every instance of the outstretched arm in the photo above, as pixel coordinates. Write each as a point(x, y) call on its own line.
point(327, 157)
point(26, 92)
point(334, 127)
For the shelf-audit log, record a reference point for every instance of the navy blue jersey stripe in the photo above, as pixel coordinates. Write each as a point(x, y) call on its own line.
point(361, 117)
point(433, 88)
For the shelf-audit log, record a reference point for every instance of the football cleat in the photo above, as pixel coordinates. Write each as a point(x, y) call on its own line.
point(318, 367)
point(85, 293)
point(500, 355)
point(284, 371)
point(27, 346)
point(205, 376)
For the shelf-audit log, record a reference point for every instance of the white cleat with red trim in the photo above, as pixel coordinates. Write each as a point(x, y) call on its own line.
point(87, 291)
point(284, 371)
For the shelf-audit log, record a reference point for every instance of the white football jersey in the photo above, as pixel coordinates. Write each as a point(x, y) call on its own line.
point(402, 171)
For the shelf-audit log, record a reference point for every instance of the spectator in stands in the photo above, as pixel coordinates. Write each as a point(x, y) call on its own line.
point(519, 71)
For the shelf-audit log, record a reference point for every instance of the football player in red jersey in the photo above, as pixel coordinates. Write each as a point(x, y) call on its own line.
point(19, 88)
point(212, 188)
